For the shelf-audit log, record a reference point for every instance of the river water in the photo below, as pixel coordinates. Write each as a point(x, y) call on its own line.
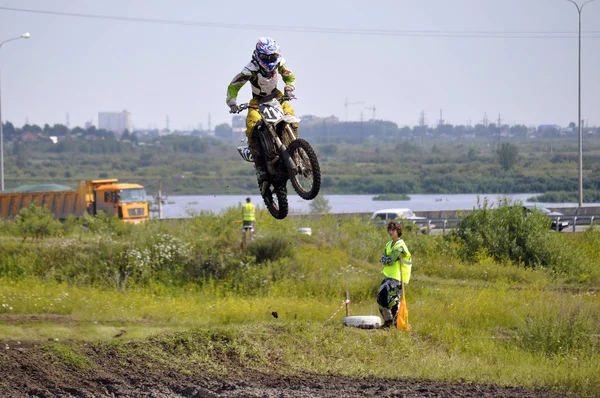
point(183, 206)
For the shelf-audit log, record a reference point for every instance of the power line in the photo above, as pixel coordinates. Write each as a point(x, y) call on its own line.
point(339, 31)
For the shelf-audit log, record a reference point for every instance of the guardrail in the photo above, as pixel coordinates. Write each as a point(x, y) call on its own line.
point(443, 224)
point(578, 220)
point(446, 224)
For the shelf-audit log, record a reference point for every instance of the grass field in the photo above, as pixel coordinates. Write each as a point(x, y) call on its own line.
point(476, 315)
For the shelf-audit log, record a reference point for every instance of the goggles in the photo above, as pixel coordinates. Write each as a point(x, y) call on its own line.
point(268, 58)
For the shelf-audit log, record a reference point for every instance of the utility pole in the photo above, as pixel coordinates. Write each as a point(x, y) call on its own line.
point(362, 127)
point(346, 103)
point(498, 126)
point(580, 182)
point(373, 110)
point(68, 122)
point(159, 199)
point(167, 123)
point(23, 36)
point(485, 122)
point(422, 125)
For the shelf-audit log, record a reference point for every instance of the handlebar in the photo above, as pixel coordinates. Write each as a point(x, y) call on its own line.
point(242, 107)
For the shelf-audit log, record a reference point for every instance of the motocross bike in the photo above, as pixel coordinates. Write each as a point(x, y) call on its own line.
point(286, 156)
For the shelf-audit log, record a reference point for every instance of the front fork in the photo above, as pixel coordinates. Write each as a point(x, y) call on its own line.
point(291, 166)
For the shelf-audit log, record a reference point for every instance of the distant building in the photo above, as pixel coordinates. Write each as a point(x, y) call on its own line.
point(116, 122)
point(28, 136)
point(568, 130)
point(311, 120)
point(238, 126)
point(548, 127)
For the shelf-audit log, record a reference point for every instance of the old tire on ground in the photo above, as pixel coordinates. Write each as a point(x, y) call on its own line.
point(363, 322)
point(306, 179)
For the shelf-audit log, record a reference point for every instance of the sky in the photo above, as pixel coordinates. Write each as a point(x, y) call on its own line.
point(516, 59)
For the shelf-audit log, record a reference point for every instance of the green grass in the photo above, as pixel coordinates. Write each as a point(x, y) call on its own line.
point(185, 293)
point(500, 332)
point(68, 355)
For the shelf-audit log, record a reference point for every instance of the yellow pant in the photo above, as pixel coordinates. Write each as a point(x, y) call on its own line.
point(254, 116)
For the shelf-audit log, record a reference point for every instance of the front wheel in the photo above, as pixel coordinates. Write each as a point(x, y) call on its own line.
point(306, 178)
point(275, 198)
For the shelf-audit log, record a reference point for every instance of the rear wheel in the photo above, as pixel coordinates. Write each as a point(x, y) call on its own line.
point(306, 178)
point(275, 198)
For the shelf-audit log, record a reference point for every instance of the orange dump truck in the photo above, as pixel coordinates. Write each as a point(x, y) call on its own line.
point(126, 201)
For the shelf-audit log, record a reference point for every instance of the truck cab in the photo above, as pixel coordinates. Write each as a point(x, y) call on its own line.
point(126, 201)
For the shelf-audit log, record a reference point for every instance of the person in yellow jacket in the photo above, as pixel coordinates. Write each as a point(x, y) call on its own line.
point(397, 266)
point(248, 218)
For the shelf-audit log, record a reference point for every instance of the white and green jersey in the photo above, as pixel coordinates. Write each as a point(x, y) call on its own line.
point(261, 85)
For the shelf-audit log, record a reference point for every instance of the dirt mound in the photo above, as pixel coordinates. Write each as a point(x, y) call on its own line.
point(86, 370)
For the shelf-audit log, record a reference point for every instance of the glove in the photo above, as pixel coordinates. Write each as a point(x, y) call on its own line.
point(234, 108)
point(385, 260)
point(288, 91)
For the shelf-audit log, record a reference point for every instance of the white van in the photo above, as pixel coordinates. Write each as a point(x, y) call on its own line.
point(383, 217)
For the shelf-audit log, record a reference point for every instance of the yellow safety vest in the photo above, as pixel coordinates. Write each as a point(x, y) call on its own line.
point(248, 212)
point(404, 261)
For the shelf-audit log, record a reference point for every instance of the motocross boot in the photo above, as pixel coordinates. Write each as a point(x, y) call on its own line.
point(388, 317)
point(386, 325)
point(262, 175)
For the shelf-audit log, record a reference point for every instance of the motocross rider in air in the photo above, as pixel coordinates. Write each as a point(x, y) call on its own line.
point(262, 71)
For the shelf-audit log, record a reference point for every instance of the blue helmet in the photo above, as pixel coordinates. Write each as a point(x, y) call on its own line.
point(267, 53)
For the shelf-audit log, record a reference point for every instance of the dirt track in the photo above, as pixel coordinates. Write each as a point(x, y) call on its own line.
point(34, 370)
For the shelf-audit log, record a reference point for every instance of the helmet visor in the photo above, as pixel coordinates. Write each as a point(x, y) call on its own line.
point(268, 58)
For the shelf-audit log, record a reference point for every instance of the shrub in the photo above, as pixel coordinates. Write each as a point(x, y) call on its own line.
point(103, 223)
point(271, 248)
point(560, 328)
point(319, 205)
point(506, 234)
point(36, 222)
point(6, 226)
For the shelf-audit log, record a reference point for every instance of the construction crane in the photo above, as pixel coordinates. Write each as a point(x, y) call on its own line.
point(373, 110)
point(346, 103)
